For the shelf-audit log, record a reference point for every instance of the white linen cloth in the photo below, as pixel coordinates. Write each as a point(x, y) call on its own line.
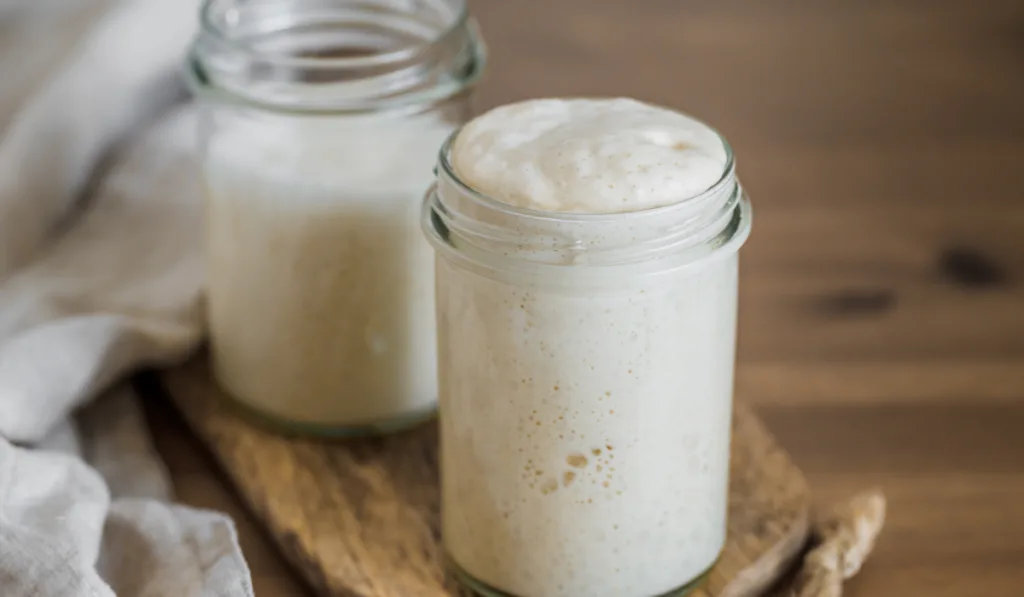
point(100, 273)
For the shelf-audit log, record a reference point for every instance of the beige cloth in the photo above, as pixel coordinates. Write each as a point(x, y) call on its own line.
point(97, 280)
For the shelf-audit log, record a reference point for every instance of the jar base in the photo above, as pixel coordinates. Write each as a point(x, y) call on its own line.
point(288, 427)
point(481, 589)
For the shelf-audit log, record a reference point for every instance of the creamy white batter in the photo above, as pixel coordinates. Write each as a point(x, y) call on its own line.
point(585, 438)
point(588, 156)
point(321, 288)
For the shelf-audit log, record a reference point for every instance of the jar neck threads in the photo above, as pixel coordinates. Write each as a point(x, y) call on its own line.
point(485, 232)
point(335, 57)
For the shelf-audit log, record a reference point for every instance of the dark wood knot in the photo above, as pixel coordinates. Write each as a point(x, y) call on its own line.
point(970, 268)
point(854, 302)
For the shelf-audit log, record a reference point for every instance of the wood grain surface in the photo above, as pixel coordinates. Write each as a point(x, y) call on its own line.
point(882, 306)
point(361, 518)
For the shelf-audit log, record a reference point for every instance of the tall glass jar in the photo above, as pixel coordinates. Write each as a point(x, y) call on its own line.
point(320, 123)
point(586, 374)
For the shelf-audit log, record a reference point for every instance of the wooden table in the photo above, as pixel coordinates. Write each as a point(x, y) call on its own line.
point(882, 308)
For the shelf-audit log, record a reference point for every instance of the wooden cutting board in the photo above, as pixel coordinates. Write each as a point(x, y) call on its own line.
point(360, 518)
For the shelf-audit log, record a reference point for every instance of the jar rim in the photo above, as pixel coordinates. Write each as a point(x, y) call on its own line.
point(474, 228)
point(461, 32)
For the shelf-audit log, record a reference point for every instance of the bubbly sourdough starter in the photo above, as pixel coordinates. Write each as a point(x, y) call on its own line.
point(320, 284)
point(585, 446)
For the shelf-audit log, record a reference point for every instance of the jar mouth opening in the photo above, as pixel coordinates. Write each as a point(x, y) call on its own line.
point(474, 228)
point(726, 178)
point(335, 57)
point(220, 17)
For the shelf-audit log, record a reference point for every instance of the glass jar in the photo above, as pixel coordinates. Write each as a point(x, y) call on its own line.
point(320, 123)
point(586, 374)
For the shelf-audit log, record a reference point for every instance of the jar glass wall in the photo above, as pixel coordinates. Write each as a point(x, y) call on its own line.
point(320, 124)
point(586, 373)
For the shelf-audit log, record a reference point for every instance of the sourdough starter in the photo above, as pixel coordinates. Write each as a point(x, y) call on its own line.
point(585, 438)
point(321, 290)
